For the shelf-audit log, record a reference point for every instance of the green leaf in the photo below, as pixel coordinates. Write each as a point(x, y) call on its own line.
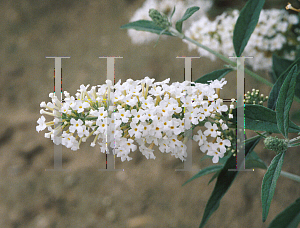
point(269, 183)
point(279, 65)
point(222, 161)
point(285, 100)
point(296, 115)
point(147, 26)
point(288, 218)
point(273, 96)
point(254, 161)
point(260, 118)
point(217, 74)
point(172, 13)
point(246, 24)
point(295, 144)
point(224, 181)
point(214, 176)
point(188, 13)
point(205, 171)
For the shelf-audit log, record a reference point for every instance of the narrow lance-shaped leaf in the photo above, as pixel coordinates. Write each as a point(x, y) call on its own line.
point(285, 100)
point(269, 183)
point(172, 13)
point(254, 161)
point(289, 217)
point(273, 96)
point(224, 181)
point(260, 118)
point(188, 13)
point(146, 26)
point(205, 171)
point(279, 65)
point(246, 24)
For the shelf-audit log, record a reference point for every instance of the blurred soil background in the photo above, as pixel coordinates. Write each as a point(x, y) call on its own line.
point(149, 192)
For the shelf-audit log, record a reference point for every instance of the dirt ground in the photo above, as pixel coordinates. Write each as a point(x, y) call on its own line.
point(149, 192)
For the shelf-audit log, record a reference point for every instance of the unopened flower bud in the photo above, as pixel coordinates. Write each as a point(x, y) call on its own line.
point(160, 20)
point(276, 144)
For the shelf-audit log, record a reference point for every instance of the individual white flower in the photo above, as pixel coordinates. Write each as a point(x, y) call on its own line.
point(220, 108)
point(156, 92)
point(66, 108)
point(83, 88)
point(200, 137)
point(157, 129)
point(180, 151)
point(147, 152)
point(129, 145)
point(206, 109)
point(211, 129)
point(103, 147)
point(102, 113)
point(138, 115)
point(151, 115)
point(148, 81)
point(163, 147)
point(102, 126)
point(68, 140)
point(224, 126)
point(173, 141)
point(80, 106)
point(207, 146)
point(42, 124)
point(216, 155)
point(136, 130)
point(147, 103)
point(123, 115)
point(83, 132)
point(70, 101)
point(123, 154)
point(221, 143)
point(129, 100)
point(76, 125)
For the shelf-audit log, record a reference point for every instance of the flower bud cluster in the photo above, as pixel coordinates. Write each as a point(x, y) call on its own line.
point(273, 34)
point(161, 20)
point(276, 144)
point(255, 98)
point(144, 112)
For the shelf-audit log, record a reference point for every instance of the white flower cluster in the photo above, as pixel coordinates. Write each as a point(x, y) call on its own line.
point(270, 35)
point(166, 7)
point(156, 116)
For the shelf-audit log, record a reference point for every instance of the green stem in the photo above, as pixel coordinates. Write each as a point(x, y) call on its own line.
point(225, 59)
point(290, 176)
